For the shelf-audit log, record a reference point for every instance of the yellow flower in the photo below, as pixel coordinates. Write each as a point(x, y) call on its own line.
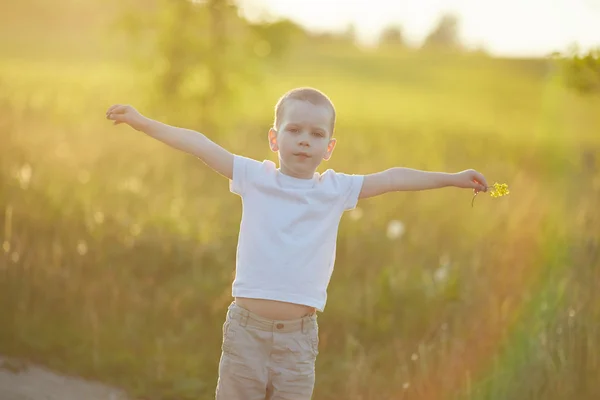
point(500, 189)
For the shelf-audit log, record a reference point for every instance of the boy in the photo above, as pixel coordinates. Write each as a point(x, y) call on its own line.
point(287, 239)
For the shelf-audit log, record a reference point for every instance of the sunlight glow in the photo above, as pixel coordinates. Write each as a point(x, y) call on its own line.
point(511, 27)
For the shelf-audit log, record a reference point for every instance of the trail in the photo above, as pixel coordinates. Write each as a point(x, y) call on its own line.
point(24, 381)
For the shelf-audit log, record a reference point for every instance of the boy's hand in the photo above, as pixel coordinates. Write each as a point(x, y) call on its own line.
point(125, 114)
point(470, 179)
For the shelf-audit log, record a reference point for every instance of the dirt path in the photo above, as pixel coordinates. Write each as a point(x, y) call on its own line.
point(19, 381)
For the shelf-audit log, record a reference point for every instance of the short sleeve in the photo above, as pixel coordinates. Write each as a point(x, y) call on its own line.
point(353, 186)
point(245, 171)
point(346, 186)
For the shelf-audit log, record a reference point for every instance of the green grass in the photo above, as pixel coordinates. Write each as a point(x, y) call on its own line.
point(119, 252)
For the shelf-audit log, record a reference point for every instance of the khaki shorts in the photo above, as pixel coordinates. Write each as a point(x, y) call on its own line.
point(267, 359)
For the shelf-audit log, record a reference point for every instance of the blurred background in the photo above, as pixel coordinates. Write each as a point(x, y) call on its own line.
point(118, 253)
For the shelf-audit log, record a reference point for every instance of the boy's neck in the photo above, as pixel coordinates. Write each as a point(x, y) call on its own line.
point(306, 176)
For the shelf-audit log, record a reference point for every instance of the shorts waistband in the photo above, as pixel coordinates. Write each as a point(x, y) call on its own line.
point(248, 318)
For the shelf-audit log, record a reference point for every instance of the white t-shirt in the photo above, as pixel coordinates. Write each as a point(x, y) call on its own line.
point(288, 232)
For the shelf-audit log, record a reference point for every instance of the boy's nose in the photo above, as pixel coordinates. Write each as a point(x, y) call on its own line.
point(303, 141)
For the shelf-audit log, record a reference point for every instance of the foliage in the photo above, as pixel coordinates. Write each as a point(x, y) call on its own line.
point(445, 35)
point(392, 36)
point(581, 69)
point(202, 56)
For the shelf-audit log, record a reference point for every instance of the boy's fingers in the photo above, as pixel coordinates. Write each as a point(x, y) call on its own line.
point(116, 117)
point(111, 108)
point(480, 179)
point(116, 109)
point(478, 186)
point(116, 112)
point(483, 181)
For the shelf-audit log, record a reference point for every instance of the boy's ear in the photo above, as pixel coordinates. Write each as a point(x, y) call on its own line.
point(273, 139)
point(330, 147)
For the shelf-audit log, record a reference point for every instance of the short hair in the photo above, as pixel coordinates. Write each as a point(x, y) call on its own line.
point(312, 95)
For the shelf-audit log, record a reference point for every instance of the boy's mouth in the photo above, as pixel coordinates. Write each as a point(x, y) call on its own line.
point(302, 154)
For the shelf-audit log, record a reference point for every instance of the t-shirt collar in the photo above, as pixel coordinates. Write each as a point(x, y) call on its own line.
point(291, 181)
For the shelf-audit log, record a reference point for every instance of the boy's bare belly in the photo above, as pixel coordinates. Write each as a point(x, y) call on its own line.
point(273, 309)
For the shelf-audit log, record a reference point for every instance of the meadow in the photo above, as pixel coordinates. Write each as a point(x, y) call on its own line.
point(118, 253)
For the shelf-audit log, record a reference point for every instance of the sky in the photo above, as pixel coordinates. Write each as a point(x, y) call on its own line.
point(504, 28)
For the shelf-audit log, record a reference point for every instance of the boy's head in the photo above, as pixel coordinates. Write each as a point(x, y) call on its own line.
point(302, 132)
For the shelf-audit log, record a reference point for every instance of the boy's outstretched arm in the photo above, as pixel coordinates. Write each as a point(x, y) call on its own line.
point(407, 179)
point(186, 140)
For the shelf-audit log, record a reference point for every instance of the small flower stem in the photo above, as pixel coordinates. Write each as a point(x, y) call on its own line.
point(476, 193)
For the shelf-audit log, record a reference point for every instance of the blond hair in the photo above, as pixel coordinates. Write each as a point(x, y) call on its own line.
point(312, 95)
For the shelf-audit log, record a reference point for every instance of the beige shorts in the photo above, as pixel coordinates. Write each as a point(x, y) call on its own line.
point(267, 359)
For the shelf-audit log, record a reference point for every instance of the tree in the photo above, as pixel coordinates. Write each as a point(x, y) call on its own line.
point(392, 36)
point(201, 55)
point(279, 36)
point(445, 36)
point(350, 35)
point(581, 70)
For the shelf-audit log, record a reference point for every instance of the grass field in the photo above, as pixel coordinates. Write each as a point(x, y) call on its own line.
point(118, 252)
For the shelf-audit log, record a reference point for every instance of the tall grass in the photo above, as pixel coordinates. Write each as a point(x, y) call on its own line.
point(118, 253)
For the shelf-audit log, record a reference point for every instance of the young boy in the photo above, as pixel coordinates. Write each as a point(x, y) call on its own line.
point(287, 239)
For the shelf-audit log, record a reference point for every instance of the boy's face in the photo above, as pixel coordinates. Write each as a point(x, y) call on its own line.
point(303, 138)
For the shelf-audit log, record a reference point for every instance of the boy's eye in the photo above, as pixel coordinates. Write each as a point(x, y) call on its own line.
point(319, 134)
point(293, 130)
